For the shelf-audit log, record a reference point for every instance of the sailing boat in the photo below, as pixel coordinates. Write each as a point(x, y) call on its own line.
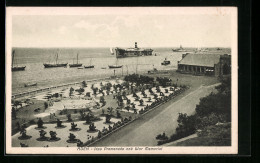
point(115, 66)
point(111, 51)
point(56, 64)
point(77, 64)
point(89, 66)
point(16, 68)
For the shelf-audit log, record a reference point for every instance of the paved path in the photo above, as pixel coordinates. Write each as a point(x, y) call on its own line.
point(143, 131)
point(174, 143)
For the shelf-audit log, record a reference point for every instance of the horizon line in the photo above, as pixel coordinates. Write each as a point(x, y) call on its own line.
point(122, 46)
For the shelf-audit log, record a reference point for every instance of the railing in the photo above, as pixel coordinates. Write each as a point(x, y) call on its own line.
point(52, 87)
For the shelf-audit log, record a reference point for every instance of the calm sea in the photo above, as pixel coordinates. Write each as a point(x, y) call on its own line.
point(33, 59)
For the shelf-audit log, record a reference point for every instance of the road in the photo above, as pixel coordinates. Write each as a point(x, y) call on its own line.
point(143, 131)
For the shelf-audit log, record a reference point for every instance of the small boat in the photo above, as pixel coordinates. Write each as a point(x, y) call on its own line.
point(76, 64)
point(16, 68)
point(80, 67)
point(103, 68)
point(166, 62)
point(90, 65)
point(116, 65)
point(30, 84)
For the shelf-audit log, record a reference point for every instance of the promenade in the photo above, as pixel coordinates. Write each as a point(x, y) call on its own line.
point(143, 131)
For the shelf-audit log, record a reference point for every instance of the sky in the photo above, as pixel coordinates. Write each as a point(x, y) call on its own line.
point(121, 30)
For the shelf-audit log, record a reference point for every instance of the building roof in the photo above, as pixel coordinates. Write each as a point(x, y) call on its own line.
point(199, 59)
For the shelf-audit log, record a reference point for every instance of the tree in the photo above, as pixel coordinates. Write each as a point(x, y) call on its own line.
point(82, 115)
point(163, 81)
point(110, 110)
point(127, 108)
point(99, 134)
point(16, 103)
point(88, 119)
point(225, 86)
point(27, 101)
point(150, 90)
point(102, 99)
point(71, 91)
point(119, 98)
point(186, 124)
point(118, 115)
point(69, 117)
point(46, 105)
point(13, 113)
point(88, 94)
point(84, 84)
point(215, 103)
point(124, 94)
point(80, 90)
point(141, 102)
point(108, 117)
point(155, 96)
point(95, 91)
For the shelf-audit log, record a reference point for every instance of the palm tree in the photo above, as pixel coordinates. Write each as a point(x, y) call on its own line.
point(16, 103)
point(155, 96)
point(84, 84)
point(46, 105)
point(71, 91)
point(141, 102)
point(110, 110)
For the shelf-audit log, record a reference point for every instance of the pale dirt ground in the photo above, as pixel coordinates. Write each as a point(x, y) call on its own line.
point(62, 133)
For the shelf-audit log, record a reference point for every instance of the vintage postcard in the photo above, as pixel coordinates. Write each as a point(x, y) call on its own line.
point(121, 80)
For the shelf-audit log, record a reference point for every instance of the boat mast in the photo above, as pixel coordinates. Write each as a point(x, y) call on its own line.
point(77, 57)
point(57, 56)
point(13, 58)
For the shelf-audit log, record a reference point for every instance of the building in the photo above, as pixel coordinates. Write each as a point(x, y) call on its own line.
point(205, 64)
point(132, 52)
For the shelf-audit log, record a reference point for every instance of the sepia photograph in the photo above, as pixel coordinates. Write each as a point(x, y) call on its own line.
point(121, 80)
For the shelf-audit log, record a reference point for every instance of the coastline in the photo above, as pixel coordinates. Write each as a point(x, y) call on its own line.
point(53, 83)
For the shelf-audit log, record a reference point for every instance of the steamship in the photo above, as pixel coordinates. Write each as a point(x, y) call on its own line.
point(132, 52)
point(181, 49)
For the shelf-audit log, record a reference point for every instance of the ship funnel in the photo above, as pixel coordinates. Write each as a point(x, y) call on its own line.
point(136, 45)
